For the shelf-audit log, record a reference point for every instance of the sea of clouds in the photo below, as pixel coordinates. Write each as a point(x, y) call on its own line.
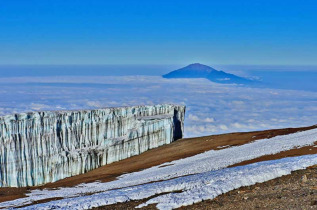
point(211, 108)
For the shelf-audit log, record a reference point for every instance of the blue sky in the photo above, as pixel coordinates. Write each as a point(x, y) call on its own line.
point(158, 32)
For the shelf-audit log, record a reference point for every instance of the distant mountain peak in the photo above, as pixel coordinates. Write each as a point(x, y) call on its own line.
point(198, 67)
point(197, 70)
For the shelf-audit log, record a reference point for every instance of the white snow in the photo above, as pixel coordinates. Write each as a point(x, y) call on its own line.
point(221, 147)
point(195, 188)
point(205, 162)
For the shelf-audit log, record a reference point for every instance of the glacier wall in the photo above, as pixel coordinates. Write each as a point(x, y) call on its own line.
point(42, 147)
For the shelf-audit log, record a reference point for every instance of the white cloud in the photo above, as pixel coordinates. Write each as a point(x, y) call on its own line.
point(211, 108)
point(238, 102)
point(37, 107)
point(95, 104)
point(209, 120)
point(238, 125)
point(193, 117)
point(223, 127)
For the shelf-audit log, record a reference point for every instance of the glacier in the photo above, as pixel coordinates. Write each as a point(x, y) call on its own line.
point(46, 146)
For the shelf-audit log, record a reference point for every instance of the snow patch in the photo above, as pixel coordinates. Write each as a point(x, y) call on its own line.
point(195, 188)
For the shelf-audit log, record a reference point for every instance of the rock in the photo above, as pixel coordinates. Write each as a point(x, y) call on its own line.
point(42, 147)
point(304, 178)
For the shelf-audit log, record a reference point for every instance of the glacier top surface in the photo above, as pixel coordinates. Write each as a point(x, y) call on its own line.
point(25, 114)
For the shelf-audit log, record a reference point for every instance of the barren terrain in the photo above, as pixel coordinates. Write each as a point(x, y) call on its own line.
point(176, 150)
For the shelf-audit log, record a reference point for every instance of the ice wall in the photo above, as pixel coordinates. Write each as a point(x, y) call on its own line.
point(42, 147)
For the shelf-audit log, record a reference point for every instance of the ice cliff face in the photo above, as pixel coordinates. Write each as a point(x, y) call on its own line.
point(43, 147)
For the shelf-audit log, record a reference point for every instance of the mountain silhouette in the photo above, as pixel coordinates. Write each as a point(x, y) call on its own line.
point(198, 70)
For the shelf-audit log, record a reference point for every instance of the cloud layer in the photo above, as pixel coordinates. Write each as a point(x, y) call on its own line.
point(211, 108)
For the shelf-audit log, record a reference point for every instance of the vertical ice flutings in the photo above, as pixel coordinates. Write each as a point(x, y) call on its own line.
point(41, 147)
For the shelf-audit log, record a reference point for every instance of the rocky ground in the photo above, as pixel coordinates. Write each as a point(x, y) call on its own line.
point(295, 191)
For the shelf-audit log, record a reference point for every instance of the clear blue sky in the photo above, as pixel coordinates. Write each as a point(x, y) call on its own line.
point(158, 32)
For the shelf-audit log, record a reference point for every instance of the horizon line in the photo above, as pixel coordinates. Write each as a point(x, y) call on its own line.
point(70, 64)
